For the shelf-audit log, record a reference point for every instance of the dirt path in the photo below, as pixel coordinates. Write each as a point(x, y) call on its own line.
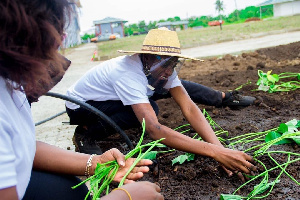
point(54, 132)
point(258, 41)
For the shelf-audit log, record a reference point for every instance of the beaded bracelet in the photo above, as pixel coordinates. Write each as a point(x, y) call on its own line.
point(88, 165)
point(128, 194)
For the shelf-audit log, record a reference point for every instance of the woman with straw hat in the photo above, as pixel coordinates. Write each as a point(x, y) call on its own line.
point(121, 88)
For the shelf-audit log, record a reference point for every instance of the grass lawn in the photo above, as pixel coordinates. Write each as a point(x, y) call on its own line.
point(193, 38)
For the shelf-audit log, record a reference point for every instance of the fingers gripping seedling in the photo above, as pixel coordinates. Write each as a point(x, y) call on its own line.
point(106, 172)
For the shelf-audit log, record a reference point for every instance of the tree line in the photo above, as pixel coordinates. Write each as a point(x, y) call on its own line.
point(237, 16)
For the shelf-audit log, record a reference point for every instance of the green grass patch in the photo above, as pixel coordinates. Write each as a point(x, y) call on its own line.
point(209, 35)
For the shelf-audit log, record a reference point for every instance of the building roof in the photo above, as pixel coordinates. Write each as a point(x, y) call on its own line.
point(270, 2)
point(108, 20)
point(172, 23)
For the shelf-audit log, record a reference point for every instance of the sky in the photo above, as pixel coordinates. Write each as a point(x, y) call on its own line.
point(134, 11)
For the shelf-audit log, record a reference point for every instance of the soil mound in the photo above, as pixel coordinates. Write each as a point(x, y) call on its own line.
point(282, 52)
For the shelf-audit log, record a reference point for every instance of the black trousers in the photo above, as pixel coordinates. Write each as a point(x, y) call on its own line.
point(48, 186)
point(198, 93)
point(124, 116)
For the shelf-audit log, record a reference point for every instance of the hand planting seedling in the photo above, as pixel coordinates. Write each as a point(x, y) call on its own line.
point(284, 134)
point(105, 172)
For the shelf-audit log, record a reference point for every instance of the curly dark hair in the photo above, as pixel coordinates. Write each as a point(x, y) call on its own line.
point(30, 34)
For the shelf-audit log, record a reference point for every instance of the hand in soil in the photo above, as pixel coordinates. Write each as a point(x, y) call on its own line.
point(239, 174)
point(236, 161)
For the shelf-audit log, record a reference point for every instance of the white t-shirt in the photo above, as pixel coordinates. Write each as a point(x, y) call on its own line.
point(121, 78)
point(17, 139)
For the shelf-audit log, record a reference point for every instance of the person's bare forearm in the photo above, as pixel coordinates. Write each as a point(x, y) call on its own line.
point(180, 141)
point(231, 159)
point(53, 159)
point(201, 126)
point(194, 115)
point(173, 138)
point(9, 193)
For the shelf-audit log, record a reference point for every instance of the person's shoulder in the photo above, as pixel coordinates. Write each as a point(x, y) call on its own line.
point(131, 60)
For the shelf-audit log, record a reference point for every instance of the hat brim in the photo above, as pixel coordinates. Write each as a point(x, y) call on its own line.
point(160, 53)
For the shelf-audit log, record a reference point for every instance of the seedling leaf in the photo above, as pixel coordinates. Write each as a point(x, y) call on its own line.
point(296, 139)
point(298, 124)
point(182, 158)
point(283, 128)
point(151, 155)
point(272, 77)
point(263, 87)
point(273, 135)
point(292, 126)
point(261, 188)
point(230, 197)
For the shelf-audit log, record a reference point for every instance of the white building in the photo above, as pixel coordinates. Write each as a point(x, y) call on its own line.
point(283, 7)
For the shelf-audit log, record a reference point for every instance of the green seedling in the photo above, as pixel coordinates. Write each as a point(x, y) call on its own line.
point(273, 82)
point(241, 86)
point(183, 158)
point(283, 134)
point(284, 129)
point(264, 185)
point(189, 156)
point(105, 172)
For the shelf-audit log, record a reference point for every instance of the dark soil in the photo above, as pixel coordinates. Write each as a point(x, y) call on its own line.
point(203, 178)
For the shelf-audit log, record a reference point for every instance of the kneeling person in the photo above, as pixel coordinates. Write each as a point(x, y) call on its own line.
point(122, 89)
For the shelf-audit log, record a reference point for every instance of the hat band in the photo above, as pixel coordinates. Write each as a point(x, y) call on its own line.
point(165, 49)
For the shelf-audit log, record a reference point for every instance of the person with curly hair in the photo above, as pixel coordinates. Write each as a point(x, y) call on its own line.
point(30, 33)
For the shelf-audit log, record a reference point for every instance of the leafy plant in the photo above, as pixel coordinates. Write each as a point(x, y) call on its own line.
point(105, 172)
point(273, 82)
point(284, 133)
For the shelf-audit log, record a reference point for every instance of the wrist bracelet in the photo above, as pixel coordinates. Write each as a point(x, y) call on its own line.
point(88, 165)
point(128, 194)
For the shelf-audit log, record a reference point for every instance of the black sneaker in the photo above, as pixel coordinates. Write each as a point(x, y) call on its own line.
point(83, 143)
point(235, 99)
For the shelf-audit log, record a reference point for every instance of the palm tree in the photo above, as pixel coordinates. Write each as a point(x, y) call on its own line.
point(220, 7)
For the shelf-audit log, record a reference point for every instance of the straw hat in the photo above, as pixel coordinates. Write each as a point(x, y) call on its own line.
point(161, 41)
